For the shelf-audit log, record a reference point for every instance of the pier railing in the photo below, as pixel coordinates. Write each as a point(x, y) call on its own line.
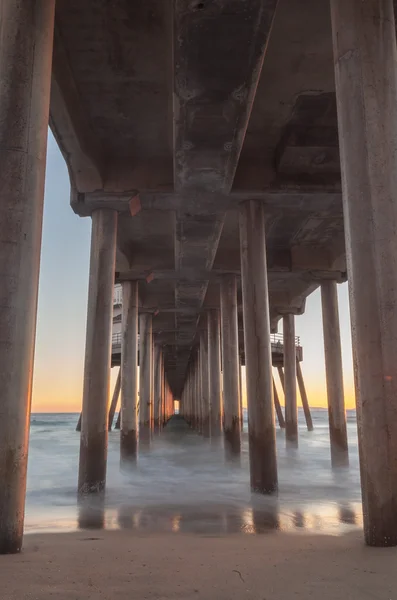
point(116, 340)
point(276, 340)
point(117, 296)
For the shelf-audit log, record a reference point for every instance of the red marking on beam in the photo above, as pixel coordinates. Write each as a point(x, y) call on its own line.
point(135, 205)
point(150, 277)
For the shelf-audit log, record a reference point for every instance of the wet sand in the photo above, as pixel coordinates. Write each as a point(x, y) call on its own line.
point(118, 565)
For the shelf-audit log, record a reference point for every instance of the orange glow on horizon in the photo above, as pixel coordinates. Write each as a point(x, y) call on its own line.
point(68, 394)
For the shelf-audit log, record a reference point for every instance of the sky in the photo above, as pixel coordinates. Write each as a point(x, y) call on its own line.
point(62, 308)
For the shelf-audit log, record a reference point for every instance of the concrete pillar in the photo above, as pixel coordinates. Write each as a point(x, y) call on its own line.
point(305, 401)
point(129, 374)
point(281, 376)
point(258, 354)
point(230, 362)
point(26, 34)
point(157, 388)
point(162, 416)
point(334, 373)
point(78, 426)
point(191, 394)
point(240, 381)
point(188, 415)
point(277, 406)
point(291, 406)
point(214, 372)
point(204, 384)
point(170, 402)
point(164, 381)
point(365, 57)
point(161, 389)
point(113, 404)
point(197, 391)
point(145, 378)
point(94, 424)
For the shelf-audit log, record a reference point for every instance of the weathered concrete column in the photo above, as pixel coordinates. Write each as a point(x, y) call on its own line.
point(26, 34)
point(365, 58)
point(157, 388)
point(291, 406)
point(334, 373)
point(204, 384)
point(113, 404)
point(258, 355)
point(129, 374)
point(94, 423)
point(230, 362)
point(303, 394)
point(145, 378)
point(214, 372)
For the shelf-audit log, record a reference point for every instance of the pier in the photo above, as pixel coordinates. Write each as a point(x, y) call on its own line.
point(233, 158)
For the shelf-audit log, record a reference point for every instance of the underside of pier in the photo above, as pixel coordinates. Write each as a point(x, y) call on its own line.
point(233, 155)
point(175, 112)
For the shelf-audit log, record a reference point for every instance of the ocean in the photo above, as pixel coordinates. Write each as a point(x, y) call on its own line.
point(183, 483)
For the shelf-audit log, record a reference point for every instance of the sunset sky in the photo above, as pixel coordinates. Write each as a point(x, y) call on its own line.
point(62, 308)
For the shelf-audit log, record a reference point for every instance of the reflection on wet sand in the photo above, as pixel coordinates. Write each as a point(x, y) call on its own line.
point(191, 489)
point(348, 515)
point(91, 514)
point(299, 519)
point(221, 520)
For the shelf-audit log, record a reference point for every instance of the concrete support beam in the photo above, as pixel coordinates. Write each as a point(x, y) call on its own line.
point(334, 373)
point(145, 378)
point(277, 405)
point(26, 39)
point(129, 374)
point(199, 165)
point(282, 380)
point(365, 57)
point(258, 355)
point(304, 197)
point(94, 424)
point(214, 372)
point(157, 388)
point(204, 384)
point(291, 406)
point(303, 394)
point(230, 363)
point(113, 404)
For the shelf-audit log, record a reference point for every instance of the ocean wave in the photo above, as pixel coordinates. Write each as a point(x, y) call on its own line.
point(51, 424)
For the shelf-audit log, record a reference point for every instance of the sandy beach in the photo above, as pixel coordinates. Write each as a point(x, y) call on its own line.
point(118, 565)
